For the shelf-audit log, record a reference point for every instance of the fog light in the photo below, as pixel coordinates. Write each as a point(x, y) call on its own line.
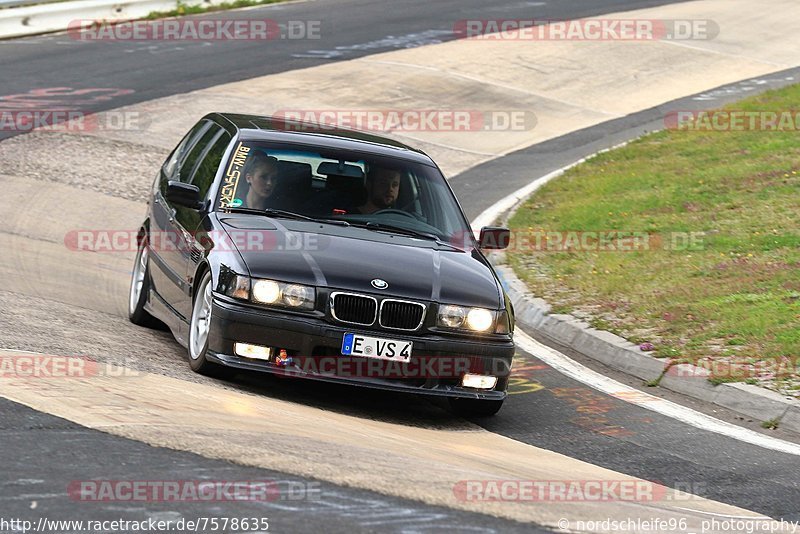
point(479, 381)
point(252, 351)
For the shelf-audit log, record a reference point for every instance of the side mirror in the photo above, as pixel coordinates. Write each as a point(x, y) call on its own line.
point(182, 194)
point(494, 238)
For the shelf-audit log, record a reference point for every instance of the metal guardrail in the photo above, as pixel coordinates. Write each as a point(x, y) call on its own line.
point(23, 3)
point(31, 17)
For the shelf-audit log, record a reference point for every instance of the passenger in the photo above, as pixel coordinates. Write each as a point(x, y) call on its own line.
point(261, 173)
point(383, 187)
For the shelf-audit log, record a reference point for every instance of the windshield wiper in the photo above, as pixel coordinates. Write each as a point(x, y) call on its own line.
point(377, 226)
point(284, 214)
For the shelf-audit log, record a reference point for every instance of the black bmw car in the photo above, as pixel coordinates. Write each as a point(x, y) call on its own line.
point(322, 254)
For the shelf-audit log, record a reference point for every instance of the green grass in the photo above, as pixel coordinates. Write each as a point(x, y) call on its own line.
point(771, 424)
point(734, 291)
point(184, 9)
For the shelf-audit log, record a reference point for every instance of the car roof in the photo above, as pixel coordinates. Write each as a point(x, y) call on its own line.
point(263, 128)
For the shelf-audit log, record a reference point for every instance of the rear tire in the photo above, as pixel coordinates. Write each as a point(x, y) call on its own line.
point(140, 289)
point(470, 408)
point(199, 327)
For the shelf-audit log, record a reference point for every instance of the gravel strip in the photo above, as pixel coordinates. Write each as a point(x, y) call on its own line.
point(115, 168)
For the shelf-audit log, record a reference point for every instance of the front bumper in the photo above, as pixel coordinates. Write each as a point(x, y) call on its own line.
point(314, 345)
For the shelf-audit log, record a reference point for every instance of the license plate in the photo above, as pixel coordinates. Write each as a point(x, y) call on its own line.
point(376, 347)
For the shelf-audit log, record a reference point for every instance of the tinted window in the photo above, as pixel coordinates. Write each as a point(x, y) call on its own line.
point(171, 165)
point(187, 166)
point(206, 169)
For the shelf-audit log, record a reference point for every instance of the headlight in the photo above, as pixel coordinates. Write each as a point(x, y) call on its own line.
point(283, 294)
point(266, 291)
point(464, 318)
point(452, 316)
point(297, 296)
point(272, 293)
point(480, 319)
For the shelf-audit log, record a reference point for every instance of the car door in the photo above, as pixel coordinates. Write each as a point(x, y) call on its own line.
point(164, 241)
point(183, 221)
point(188, 222)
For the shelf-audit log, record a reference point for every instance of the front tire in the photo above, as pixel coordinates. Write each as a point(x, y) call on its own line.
point(199, 328)
point(140, 289)
point(470, 408)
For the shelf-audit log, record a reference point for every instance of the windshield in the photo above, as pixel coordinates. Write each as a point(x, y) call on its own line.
point(361, 189)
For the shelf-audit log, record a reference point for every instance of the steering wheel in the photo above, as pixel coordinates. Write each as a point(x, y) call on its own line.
point(395, 211)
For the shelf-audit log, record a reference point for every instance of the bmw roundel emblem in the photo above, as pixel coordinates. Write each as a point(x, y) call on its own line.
point(379, 284)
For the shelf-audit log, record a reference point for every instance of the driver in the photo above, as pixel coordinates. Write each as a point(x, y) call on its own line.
point(383, 186)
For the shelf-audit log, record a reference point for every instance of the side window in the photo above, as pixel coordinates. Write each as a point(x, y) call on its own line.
point(196, 153)
point(200, 167)
point(206, 168)
point(171, 165)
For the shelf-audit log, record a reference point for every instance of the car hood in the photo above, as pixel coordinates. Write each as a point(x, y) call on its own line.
point(350, 258)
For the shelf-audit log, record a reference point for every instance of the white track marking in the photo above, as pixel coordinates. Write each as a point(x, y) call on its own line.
point(609, 386)
point(490, 214)
point(747, 517)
